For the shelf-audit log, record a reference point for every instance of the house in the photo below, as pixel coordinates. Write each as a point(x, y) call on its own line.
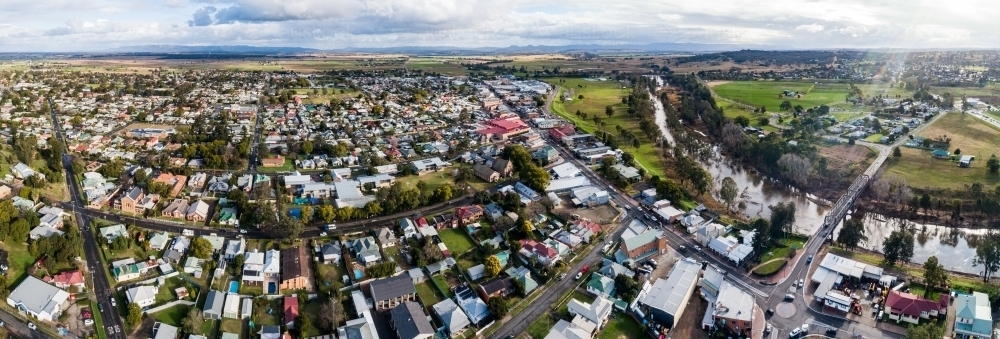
point(966, 161)
point(493, 211)
point(158, 241)
point(5, 191)
point(409, 228)
point(390, 292)
point(543, 252)
point(522, 275)
point(453, 318)
point(941, 154)
point(38, 299)
point(386, 237)
point(128, 271)
point(177, 209)
point(596, 312)
point(474, 307)
point(526, 192)
point(365, 250)
point(231, 307)
point(485, 173)
point(175, 182)
point(428, 165)
point(476, 272)
point(272, 332)
point(469, 214)
point(589, 196)
point(275, 161)
point(43, 231)
point(733, 308)
point(253, 268)
point(193, 266)
point(329, 253)
point(503, 167)
point(291, 306)
point(22, 171)
point(113, 232)
point(142, 295)
point(292, 269)
point(164, 331)
point(644, 245)
point(578, 328)
point(234, 248)
point(612, 269)
point(361, 328)
point(497, 287)
point(705, 233)
point(973, 316)
point(197, 211)
point(66, 279)
point(213, 305)
point(410, 322)
point(272, 265)
point(664, 301)
point(177, 249)
point(911, 308)
point(601, 285)
point(128, 202)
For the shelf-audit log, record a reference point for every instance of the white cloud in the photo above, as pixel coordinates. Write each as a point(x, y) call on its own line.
point(813, 28)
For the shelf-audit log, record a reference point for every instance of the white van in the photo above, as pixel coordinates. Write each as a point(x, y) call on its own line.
point(188, 233)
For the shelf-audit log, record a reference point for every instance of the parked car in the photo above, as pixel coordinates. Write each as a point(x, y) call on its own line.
point(769, 312)
point(243, 231)
point(584, 269)
point(113, 302)
point(32, 326)
point(768, 329)
point(794, 333)
point(802, 282)
point(830, 331)
point(88, 322)
point(578, 275)
point(805, 328)
point(322, 234)
point(789, 297)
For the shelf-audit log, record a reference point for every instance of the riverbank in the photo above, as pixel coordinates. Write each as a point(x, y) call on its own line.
point(913, 272)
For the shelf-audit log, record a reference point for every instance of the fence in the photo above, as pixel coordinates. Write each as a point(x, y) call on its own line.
point(169, 305)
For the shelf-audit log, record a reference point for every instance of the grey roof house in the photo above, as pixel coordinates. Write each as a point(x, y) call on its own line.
point(410, 322)
point(213, 305)
point(389, 292)
point(453, 318)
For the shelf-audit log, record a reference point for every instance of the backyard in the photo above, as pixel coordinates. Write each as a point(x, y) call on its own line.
point(621, 326)
point(967, 133)
point(173, 315)
point(428, 294)
point(457, 241)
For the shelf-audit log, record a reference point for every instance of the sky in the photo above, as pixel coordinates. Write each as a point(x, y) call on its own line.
point(101, 25)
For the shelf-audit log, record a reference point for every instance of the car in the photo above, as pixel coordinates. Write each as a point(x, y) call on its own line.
point(32, 326)
point(794, 333)
point(100, 307)
point(322, 234)
point(682, 247)
point(830, 331)
point(768, 329)
point(243, 231)
point(769, 312)
point(652, 262)
point(578, 276)
point(607, 247)
point(628, 208)
point(809, 259)
point(697, 248)
point(562, 276)
point(88, 322)
point(789, 297)
point(113, 302)
point(805, 328)
point(802, 282)
point(584, 269)
point(1, 323)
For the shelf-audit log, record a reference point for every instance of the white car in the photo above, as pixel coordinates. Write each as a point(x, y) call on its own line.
point(113, 302)
point(32, 326)
point(88, 322)
point(243, 231)
point(578, 275)
point(794, 333)
point(322, 234)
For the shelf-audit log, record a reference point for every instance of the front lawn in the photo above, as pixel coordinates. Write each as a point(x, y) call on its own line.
point(457, 241)
point(621, 326)
point(770, 267)
point(783, 249)
point(172, 316)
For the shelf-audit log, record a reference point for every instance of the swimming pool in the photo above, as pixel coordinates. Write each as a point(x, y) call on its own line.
point(234, 287)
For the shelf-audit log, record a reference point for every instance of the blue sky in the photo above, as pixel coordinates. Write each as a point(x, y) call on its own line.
point(98, 25)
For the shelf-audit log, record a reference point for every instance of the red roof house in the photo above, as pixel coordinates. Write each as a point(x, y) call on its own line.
point(911, 308)
point(469, 214)
point(66, 279)
point(291, 306)
point(544, 253)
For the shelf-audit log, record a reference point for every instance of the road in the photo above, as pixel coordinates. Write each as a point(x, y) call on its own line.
point(102, 288)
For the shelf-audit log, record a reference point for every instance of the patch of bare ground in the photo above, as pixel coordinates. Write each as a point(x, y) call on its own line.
point(689, 326)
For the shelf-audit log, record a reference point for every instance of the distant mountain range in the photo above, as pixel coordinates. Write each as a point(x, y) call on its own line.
point(446, 50)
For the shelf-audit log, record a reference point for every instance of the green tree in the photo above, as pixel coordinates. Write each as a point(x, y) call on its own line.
point(293, 226)
point(498, 306)
point(19, 230)
point(993, 164)
point(927, 330)
point(307, 147)
point(934, 274)
point(785, 105)
point(741, 120)
point(782, 219)
point(762, 238)
point(728, 191)
point(192, 323)
point(201, 248)
point(988, 255)
point(609, 111)
point(134, 315)
point(896, 153)
point(492, 266)
point(852, 234)
point(303, 324)
point(327, 213)
point(898, 247)
point(925, 202)
point(239, 261)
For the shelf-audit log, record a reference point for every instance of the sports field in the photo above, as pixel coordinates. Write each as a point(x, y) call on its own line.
point(769, 93)
point(967, 133)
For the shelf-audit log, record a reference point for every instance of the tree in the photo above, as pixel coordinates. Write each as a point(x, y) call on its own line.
point(728, 191)
point(293, 226)
point(609, 111)
point(239, 261)
point(993, 164)
point(785, 105)
point(928, 330)
point(201, 248)
point(762, 238)
point(303, 324)
point(493, 266)
point(525, 225)
point(327, 213)
point(958, 151)
point(743, 121)
point(134, 315)
point(896, 153)
point(925, 202)
point(330, 314)
point(498, 307)
point(795, 167)
point(988, 255)
point(307, 147)
point(782, 219)
point(934, 274)
point(192, 323)
point(852, 233)
point(898, 247)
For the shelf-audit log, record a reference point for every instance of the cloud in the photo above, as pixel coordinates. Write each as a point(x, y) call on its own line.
point(202, 17)
point(813, 28)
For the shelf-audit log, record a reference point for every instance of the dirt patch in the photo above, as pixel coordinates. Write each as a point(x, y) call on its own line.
point(689, 325)
point(845, 153)
point(307, 269)
point(601, 214)
point(717, 83)
point(665, 262)
point(144, 330)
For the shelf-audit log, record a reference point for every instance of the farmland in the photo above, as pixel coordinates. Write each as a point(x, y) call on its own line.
point(769, 93)
point(967, 133)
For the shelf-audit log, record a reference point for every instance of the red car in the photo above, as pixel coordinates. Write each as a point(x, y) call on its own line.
point(86, 314)
point(584, 270)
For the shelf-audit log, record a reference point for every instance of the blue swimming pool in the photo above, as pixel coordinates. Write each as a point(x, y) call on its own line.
point(272, 287)
point(234, 287)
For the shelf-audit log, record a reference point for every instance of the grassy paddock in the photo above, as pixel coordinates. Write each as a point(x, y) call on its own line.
point(768, 93)
point(967, 133)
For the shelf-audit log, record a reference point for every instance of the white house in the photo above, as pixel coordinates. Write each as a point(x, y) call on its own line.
point(38, 299)
point(143, 296)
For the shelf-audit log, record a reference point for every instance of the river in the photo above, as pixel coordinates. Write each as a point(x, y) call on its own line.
point(756, 191)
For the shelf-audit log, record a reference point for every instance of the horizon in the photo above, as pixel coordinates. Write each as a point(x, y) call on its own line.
point(63, 26)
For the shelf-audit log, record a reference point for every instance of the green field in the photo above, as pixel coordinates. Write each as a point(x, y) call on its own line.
point(971, 135)
point(768, 93)
point(596, 96)
point(457, 241)
point(731, 111)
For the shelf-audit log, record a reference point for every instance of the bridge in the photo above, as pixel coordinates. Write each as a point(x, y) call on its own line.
point(845, 202)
